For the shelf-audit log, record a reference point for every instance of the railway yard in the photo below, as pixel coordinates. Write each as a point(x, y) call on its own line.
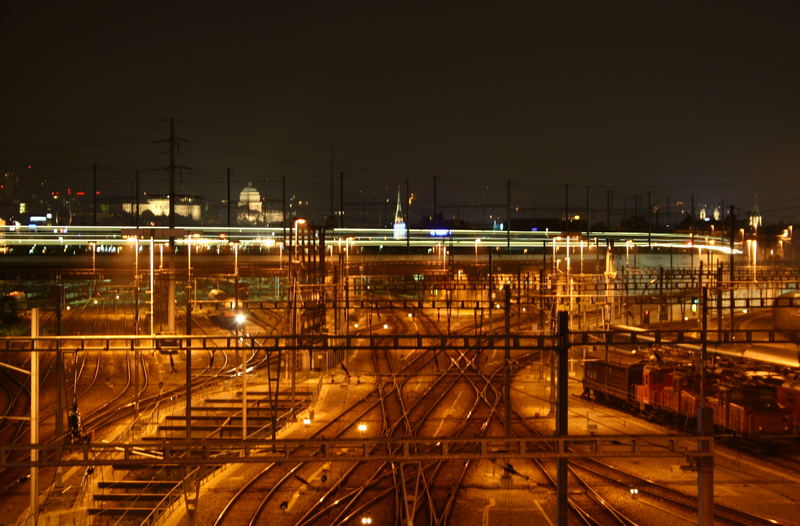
point(560, 383)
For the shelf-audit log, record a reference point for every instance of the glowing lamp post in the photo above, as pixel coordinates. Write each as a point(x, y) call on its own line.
point(297, 224)
point(555, 250)
point(239, 320)
point(152, 287)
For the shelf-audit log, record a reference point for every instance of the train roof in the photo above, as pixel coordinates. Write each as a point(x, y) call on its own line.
point(788, 298)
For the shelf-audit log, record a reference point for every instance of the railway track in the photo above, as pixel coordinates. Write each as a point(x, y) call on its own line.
point(136, 501)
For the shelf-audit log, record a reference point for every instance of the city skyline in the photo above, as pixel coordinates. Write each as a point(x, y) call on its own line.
point(677, 101)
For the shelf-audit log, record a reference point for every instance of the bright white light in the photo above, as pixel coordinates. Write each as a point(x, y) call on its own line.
point(399, 231)
point(385, 325)
point(239, 318)
point(355, 325)
point(366, 520)
point(306, 421)
point(362, 427)
point(410, 315)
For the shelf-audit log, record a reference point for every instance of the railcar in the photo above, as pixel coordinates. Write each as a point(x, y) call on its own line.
point(611, 381)
point(225, 310)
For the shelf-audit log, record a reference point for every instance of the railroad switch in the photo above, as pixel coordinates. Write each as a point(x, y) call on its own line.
point(509, 468)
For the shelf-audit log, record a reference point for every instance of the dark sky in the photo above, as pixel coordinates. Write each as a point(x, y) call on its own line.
point(676, 98)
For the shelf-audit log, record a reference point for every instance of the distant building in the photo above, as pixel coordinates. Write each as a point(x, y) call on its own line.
point(187, 206)
point(250, 198)
point(251, 208)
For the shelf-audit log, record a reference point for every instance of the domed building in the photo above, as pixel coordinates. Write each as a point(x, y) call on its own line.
point(251, 209)
point(250, 198)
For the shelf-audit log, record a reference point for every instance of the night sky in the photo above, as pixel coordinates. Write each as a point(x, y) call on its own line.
point(668, 97)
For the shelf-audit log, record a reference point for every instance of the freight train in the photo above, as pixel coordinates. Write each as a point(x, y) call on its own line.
point(744, 406)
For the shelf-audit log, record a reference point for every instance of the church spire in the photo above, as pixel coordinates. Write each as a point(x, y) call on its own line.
point(755, 215)
point(398, 212)
point(399, 226)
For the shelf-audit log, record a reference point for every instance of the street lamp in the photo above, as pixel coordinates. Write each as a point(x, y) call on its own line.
point(152, 288)
point(235, 258)
point(136, 283)
point(297, 224)
point(555, 248)
point(239, 320)
point(568, 258)
point(628, 244)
